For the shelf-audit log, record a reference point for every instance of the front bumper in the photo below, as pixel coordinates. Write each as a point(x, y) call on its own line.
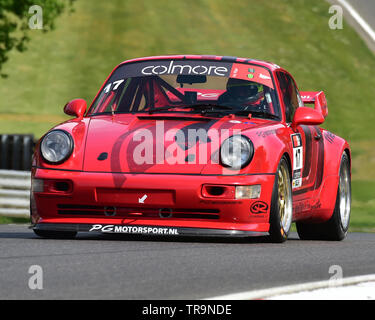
point(150, 202)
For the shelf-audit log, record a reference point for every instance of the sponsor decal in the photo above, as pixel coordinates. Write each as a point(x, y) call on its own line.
point(111, 228)
point(259, 207)
point(300, 206)
point(142, 199)
point(329, 136)
point(262, 76)
point(235, 72)
point(306, 205)
point(296, 139)
point(266, 133)
point(297, 153)
point(185, 67)
point(221, 202)
point(297, 181)
point(297, 160)
point(211, 95)
point(251, 73)
point(165, 67)
point(254, 73)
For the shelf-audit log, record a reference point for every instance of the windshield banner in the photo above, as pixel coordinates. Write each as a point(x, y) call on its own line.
point(251, 73)
point(164, 67)
point(194, 67)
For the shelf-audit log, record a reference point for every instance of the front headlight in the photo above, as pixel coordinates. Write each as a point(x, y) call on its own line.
point(56, 146)
point(236, 152)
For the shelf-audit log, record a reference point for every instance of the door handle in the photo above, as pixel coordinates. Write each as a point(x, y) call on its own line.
point(317, 136)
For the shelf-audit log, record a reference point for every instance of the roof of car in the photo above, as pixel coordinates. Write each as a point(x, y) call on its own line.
point(266, 64)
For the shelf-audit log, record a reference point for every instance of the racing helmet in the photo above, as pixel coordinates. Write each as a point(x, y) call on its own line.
point(241, 89)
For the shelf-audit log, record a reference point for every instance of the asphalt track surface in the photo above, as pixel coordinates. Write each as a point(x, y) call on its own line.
point(366, 8)
point(149, 267)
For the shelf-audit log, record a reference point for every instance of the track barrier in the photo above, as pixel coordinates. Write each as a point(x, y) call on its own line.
point(16, 151)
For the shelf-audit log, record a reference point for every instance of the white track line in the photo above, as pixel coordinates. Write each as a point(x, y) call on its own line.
point(268, 293)
point(357, 17)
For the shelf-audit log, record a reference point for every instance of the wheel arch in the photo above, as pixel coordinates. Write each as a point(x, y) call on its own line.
point(289, 161)
point(348, 153)
point(325, 196)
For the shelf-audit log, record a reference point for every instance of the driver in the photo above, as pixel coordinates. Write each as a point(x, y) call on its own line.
point(240, 92)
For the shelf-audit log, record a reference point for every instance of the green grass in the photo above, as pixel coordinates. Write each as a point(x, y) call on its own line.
point(4, 220)
point(74, 60)
point(363, 205)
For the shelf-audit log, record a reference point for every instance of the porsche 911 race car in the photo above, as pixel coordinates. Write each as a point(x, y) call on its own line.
point(194, 145)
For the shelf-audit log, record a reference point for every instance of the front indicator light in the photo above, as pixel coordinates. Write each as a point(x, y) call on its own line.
point(248, 192)
point(37, 185)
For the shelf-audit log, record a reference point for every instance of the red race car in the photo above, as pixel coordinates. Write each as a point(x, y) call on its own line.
point(194, 145)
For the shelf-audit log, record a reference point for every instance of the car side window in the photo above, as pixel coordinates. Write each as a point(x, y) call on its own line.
point(291, 96)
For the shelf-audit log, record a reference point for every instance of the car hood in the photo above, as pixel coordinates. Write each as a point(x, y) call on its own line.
point(175, 143)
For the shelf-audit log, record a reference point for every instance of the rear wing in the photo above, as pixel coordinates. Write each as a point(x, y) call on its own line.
point(317, 98)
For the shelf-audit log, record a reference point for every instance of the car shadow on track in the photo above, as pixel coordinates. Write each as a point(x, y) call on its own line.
point(16, 235)
point(187, 239)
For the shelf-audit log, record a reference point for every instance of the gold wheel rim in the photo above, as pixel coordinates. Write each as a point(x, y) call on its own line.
point(284, 198)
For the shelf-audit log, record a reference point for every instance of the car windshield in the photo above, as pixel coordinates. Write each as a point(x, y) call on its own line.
point(189, 86)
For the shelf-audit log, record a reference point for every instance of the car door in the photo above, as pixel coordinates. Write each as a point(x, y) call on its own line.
point(307, 143)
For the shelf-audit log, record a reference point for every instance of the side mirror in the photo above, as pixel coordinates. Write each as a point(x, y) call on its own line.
point(76, 107)
point(306, 116)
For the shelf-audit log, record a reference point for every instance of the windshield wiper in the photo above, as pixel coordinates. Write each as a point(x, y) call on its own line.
point(208, 105)
point(203, 107)
point(264, 114)
point(211, 108)
point(256, 113)
point(161, 109)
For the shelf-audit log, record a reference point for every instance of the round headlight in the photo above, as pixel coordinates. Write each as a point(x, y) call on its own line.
point(56, 146)
point(236, 152)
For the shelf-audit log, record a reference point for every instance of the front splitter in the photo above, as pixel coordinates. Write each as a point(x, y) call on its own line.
point(144, 230)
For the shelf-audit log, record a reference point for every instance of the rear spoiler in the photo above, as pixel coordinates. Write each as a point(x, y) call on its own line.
point(317, 98)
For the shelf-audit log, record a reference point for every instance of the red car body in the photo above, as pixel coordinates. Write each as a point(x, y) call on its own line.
point(100, 188)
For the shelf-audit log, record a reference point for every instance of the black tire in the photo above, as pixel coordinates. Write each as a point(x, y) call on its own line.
point(335, 229)
point(55, 234)
point(281, 216)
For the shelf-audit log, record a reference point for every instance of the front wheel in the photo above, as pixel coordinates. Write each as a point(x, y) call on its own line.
point(281, 214)
point(336, 228)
